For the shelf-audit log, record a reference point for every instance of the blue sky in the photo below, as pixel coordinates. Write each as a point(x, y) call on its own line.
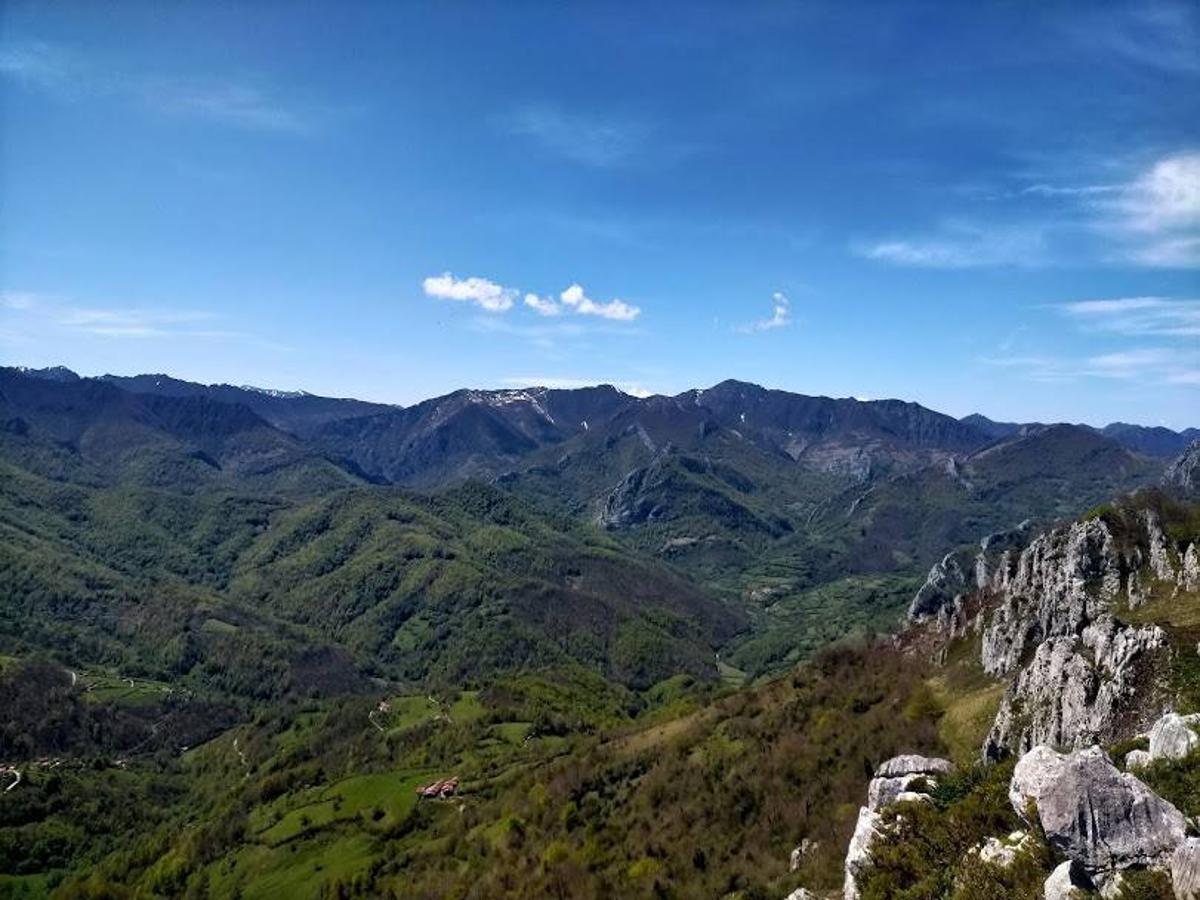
point(989, 207)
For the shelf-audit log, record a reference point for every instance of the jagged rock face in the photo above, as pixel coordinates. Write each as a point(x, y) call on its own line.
point(1174, 736)
point(1064, 580)
point(1185, 869)
point(1189, 577)
point(1183, 474)
point(963, 571)
point(946, 581)
point(1077, 691)
point(1098, 816)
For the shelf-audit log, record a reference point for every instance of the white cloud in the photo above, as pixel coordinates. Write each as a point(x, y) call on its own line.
point(486, 294)
point(617, 310)
point(1138, 316)
point(781, 315)
point(543, 306)
point(1166, 197)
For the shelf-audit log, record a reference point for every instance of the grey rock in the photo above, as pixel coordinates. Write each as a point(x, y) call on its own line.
point(801, 894)
point(1077, 691)
point(1185, 869)
point(1183, 474)
point(913, 764)
point(1067, 882)
point(1064, 580)
point(1098, 816)
point(1174, 736)
point(1003, 852)
point(1189, 576)
point(946, 581)
point(858, 854)
point(1137, 759)
point(1161, 563)
point(884, 791)
point(800, 851)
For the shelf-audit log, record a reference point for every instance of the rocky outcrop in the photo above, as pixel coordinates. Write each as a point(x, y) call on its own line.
point(1063, 581)
point(858, 854)
point(1185, 870)
point(800, 851)
point(964, 571)
point(1079, 675)
point(1003, 852)
point(1067, 882)
point(1080, 690)
point(1174, 736)
point(895, 781)
point(1137, 759)
point(947, 580)
point(1102, 818)
point(1183, 474)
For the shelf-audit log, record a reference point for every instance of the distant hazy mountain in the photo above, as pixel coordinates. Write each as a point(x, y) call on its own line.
point(175, 441)
point(293, 411)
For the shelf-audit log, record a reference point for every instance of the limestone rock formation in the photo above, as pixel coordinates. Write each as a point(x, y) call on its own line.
point(1185, 870)
point(858, 854)
point(1174, 736)
point(1098, 816)
point(1077, 691)
point(1183, 474)
point(1004, 852)
point(1067, 882)
point(1050, 592)
point(1137, 759)
point(893, 783)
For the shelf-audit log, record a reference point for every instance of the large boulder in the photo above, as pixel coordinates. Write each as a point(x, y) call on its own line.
point(1174, 736)
point(1092, 812)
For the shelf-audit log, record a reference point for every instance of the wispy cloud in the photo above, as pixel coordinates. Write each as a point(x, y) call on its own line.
point(1150, 218)
point(588, 139)
point(962, 245)
point(65, 74)
point(1157, 35)
point(781, 316)
point(1156, 365)
point(142, 323)
point(41, 317)
point(230, 103)
point(18, 300)
point(1138, 316)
